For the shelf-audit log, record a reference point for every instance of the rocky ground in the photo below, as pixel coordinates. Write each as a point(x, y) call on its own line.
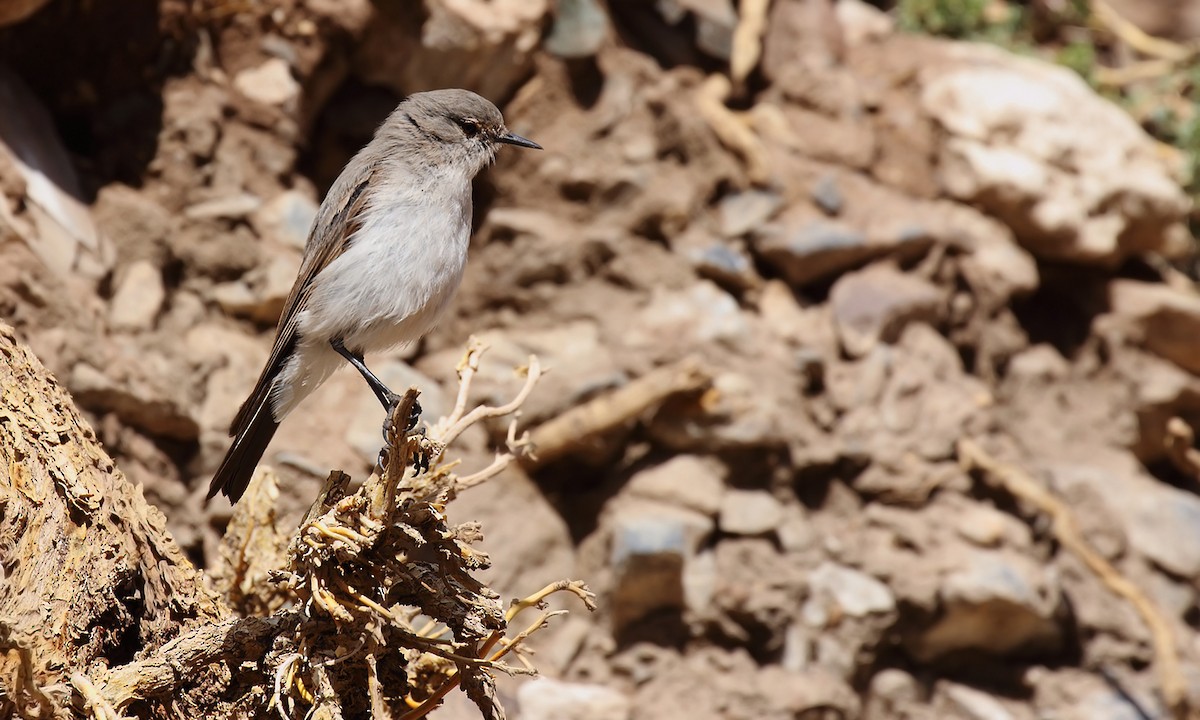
point(945, 467)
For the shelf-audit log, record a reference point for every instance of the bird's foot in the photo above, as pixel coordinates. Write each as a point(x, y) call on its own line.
point(414, 415)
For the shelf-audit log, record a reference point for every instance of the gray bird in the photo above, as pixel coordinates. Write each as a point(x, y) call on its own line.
point(383, 259)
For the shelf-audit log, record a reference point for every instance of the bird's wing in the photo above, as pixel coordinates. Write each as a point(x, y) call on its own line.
point(337, 221)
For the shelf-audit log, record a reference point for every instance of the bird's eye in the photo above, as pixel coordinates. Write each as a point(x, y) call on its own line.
point(469, 127)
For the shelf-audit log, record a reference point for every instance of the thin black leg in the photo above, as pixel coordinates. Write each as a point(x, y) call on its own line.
point(387, 398)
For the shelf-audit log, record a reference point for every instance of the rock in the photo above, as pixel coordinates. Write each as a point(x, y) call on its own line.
point(749, 512)
point(1161, 18)
point(138, 396)
point(137, 225)
point(1163, 319)
point(547, 699)
point(1161, 522)
point(972, 704)
point(651, 544)
point(862, 23)
point(14, 11)
point(287, 217)
point(1073, 174)
point(852, 592)
point(484, 45)
point(727, 265)
point(807, 248)
point(138, 299)
point(678, 319)
point(997, 602)
point(1041, 363)
point(579, 29)
point(685, 481)
point(232, 207)
point(700, 584)
point(237, 359)
point(270, 83)
point(827, 195)
point(262, 294)
point(875, 304)
point(748, 210)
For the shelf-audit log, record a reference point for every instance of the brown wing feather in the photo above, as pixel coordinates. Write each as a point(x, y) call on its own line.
point(255, 424)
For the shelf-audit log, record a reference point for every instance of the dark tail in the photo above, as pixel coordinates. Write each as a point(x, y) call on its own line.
point(255, 427)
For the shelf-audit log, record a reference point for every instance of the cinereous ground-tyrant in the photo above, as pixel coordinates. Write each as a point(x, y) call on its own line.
point(384, 257)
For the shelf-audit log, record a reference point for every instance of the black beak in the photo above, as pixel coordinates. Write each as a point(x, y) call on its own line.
point(514, 139)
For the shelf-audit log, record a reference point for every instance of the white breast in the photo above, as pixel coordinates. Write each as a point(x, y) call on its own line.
point(400, 272)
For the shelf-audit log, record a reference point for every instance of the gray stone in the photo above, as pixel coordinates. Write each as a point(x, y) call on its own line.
point(287, 217)
point(547, 699)
point(828, 196)
point(698, 315)
point(651, 545)
point(748, 210)
point(686, 481)
point(875, 304)
point(749, 512)
point(995, 601)
point(726, 265)
point(1164, 319)
point(855, 593)
point(973, 704)
point(138, 299)
point(580, 28)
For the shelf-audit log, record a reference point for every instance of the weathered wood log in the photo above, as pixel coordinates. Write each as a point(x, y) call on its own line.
point(91, 577)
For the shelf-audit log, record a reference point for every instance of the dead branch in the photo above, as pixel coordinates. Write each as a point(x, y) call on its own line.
point(580, 425)
point(1063, 525)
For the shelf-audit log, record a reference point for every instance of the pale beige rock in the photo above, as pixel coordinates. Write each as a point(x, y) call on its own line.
point(547, 699)
point(1070, 172)
point(138, 299)
point(270, 83)
point(685, 480)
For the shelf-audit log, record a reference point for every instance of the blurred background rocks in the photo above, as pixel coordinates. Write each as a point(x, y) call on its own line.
point(876, 242)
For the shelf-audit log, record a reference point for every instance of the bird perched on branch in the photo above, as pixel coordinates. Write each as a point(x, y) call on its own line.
point(383, 259)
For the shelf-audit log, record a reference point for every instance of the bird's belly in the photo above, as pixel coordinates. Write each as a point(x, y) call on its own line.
point(393, 283)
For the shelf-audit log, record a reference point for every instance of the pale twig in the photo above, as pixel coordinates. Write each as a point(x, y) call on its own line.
point(730, 129)
point(95, 702)
point(379, 709)
point(747, 40)
point(1138, 39)
point(497, 466)
point(532, 373)
point(1066, 531)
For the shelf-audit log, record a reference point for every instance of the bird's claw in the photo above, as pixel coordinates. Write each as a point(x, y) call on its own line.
point(414, 416)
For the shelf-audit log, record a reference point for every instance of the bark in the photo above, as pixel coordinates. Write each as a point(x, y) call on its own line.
point(91, 578)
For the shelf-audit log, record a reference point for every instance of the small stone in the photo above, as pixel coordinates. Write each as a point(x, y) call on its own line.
point(700, 583)
point(651, 544)
point(998, 602)
point(855, 593)
point(262, 294)
point(1039, 363)
point(699, 315)
point(745, 211)
point(138, 298)
point(974, 704)
point(1164, 319)
point(875, 304)
point(287, 217)
point(270, 83)
point(726, 265)
point(547, 699)
point(232, 207)
point(749, 512)
point(796, 532)
point(580, 28)
point(686, 481)
point(982, 525)
point(828, 196)
point(861, 22)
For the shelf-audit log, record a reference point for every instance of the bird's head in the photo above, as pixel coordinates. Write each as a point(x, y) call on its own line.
point(465, 127)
